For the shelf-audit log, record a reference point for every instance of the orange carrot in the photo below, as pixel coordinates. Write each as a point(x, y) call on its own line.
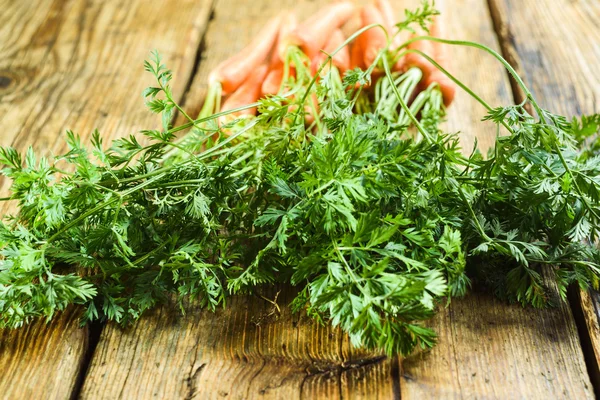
point(416, 60)
point(447, 86)
point(247, 93)
point(387, 12)
point(274, 78)
point(341, 60)
point(374, 39)
point(272, 82)
point(356, 54)
point(288, 25)
point(312, 34)
point(233, 71)
point(389, 17)
point(430, 73)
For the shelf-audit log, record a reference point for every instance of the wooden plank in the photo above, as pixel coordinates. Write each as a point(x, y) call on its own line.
point(470, 20)
point(77, 64)
point(486, 348)
point(586, 309)
point(250, 350)
point(560, 59)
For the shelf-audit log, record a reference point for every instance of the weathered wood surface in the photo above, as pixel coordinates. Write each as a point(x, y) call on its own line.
point(470, 20)
point(555, 44)
point(490, 350)
point(78, 65)
point(487, 349)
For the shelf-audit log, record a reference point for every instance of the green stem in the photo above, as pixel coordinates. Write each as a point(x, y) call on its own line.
point(574, 181)
point(100, 207)
point(150, 253)
point(485, 48)
point(186, 182)
point(411, 116)
point(322, 187)
point(472, 212)
point(350, 271)
point(229, 139)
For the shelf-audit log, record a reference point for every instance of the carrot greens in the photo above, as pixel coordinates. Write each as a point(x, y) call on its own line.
point(374, 225)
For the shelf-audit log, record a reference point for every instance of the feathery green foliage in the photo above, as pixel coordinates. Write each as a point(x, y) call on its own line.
point(376, 226)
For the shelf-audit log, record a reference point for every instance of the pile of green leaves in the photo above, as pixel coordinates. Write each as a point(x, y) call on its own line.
point(376, 226)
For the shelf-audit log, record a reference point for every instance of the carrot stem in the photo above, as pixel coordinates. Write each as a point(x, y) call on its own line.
point(413, 119)
point(487, 49)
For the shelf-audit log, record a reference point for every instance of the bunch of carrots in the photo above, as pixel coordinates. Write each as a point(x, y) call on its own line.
point(261, 68)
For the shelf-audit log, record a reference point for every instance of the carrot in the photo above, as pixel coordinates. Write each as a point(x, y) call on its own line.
point(341, 60)
point(430, 73)
point(389, 17)
point(274, 78)
point(312, 34)
point(289, 24)
point(233, 71)
point(447, 86)
point(247, 93)
point(374, 39)
point(356, 54)
point(416, 60)
point(387, 12)
point(272, 82)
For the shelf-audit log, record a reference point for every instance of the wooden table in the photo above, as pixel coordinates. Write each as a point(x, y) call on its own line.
point(77, 64)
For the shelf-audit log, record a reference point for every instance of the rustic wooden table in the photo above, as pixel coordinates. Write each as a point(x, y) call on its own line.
point(77, 64)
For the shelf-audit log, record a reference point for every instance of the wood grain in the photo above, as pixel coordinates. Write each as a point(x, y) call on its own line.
point(487, 349)
point(470, 20)
point(75, 64)
point(559, 57)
